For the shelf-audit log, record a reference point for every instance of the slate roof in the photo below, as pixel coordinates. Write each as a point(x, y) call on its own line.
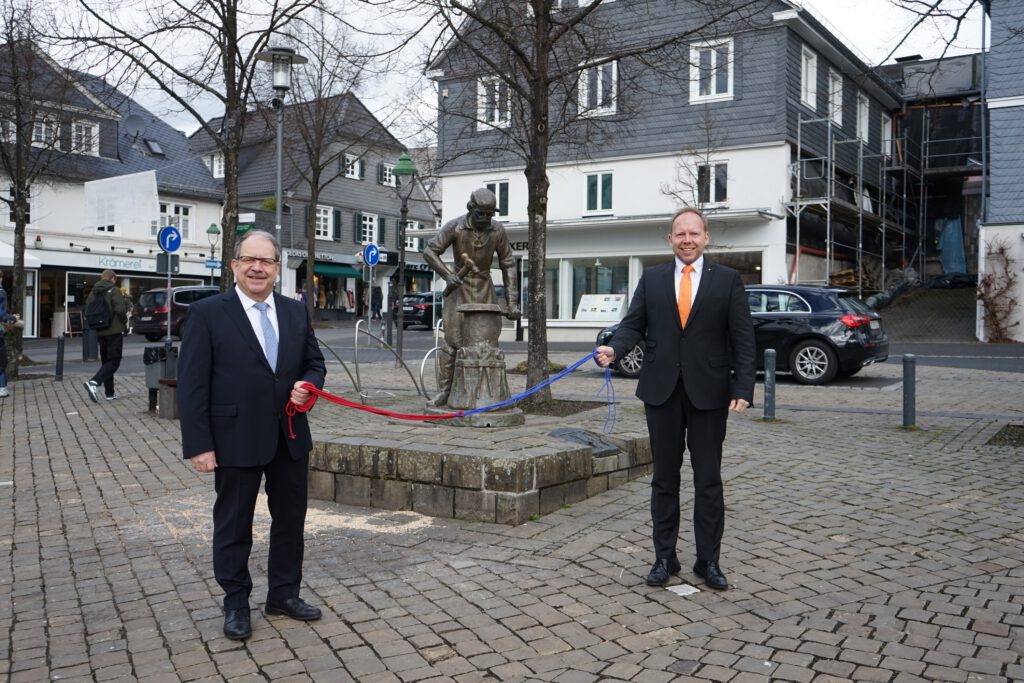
point(178, 170)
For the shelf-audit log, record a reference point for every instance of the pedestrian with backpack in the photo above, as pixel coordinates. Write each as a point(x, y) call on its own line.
point(106, 311)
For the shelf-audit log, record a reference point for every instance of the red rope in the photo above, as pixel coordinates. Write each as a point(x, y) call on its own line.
point(291, 408)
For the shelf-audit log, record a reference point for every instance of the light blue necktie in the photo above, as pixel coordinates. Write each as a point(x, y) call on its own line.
point(269, 336)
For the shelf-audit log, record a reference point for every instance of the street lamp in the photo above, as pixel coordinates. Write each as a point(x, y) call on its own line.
point(281, 60)
point(403, 169)
point(213, 236)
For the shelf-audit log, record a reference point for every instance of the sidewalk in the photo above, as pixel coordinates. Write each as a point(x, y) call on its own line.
point(856, 550)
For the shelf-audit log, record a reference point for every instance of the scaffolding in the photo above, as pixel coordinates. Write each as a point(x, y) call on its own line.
point(857, 193)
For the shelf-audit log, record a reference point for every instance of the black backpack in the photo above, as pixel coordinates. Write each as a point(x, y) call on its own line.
point(98, 313)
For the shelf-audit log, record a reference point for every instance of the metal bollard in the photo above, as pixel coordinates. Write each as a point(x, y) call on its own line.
point(769, 384)
point(909, 393)
point(59, 374)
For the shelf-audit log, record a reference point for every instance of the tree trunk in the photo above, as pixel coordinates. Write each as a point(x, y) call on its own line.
point(314, 197)
point(537, 208)
point(16, 303)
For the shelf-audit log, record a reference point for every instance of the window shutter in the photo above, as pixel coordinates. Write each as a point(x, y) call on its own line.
point(380, 174)
point(362, 169)
point(337, 225)
point(380, 231)
point(305, 223)
point(357, 221)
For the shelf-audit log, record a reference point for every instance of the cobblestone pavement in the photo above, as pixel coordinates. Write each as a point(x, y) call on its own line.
point(857, 550)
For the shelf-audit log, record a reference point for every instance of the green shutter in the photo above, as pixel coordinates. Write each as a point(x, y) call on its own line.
point(380, 231)
point(337, 225)
point(380, 174)
point(357, 221)
point(362, 169)
point(591, 193)
point(503, 199)
point(305, 222)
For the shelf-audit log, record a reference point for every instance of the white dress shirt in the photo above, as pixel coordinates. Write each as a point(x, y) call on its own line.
point(253, 314)
point(698, 267)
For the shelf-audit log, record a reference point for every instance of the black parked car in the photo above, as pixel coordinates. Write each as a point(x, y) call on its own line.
point(421, 308)
point(149, 314)
point(818, 333)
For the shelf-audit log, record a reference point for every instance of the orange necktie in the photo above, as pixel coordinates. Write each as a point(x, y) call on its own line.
point(685, 295)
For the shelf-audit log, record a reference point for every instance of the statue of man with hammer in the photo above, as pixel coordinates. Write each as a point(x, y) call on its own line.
point(474, 238)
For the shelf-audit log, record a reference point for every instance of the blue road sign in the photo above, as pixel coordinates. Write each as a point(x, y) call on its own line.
point(169, 238)
point(371, 254)
point(213, 263)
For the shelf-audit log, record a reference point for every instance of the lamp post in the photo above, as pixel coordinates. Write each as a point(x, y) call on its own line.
point(213, 236)
point(402, 170)
point(281, 60)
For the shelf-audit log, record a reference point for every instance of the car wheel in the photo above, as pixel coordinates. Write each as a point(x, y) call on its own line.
point(813, 362)
point(154, 337)
point(630, 364)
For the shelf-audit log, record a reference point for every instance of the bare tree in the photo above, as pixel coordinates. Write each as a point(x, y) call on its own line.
point(696, 173)
point(198, 52)
point(547, 68)
point(37, 135)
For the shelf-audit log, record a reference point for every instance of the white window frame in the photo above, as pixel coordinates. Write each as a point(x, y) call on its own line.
point(493, 107)
point(601, 72)
point(835, 97)
point(695, 71)
point(178, 214)
point(369, 228)
point(39, 136)
point(93, 138)
point(863, 117)
point(712, 167)
point(215, 162)
point(413, 243)
point(598, 210)
point(809, 77)
point(387, 176)
point(496, 186)
point(324, 229)
point(353, 166)
point(886, 136)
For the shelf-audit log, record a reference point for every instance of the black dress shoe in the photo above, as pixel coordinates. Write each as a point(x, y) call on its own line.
point(661, 571)
point(296, 608)
point(711, 573)
point(237, 625)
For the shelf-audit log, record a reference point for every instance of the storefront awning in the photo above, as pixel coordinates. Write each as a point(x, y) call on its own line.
point(7, 257)
point(334, 270)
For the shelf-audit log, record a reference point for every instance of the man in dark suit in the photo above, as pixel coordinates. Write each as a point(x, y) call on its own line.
point(699, 364)
point(244, 355)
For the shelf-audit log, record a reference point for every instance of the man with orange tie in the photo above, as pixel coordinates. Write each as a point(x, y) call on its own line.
point(699, 364)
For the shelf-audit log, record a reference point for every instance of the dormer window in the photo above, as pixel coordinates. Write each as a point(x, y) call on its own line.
point(85, 138)
point(215, 162)
point(154, 147)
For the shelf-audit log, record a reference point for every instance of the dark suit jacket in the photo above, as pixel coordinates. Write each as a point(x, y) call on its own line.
point(715, 355)
point(229, 399)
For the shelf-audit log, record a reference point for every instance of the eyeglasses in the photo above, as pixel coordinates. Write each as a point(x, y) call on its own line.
point(250, 260)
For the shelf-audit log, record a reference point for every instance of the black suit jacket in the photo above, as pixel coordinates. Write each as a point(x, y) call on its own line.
point(229, 399)
point(715, 355)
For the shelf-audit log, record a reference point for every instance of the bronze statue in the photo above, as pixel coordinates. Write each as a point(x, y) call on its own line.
point(475, 239)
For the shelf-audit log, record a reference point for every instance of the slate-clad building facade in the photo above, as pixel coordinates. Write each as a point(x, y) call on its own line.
point(749, 111)
point(100, 133)
point(357, 204)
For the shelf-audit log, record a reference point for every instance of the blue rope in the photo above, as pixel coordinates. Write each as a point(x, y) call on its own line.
point(610, 395)
point(548, 382)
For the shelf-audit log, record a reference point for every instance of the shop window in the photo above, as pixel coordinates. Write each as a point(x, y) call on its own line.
point(604, 275)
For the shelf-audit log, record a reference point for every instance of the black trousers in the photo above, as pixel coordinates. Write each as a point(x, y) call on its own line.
point(237, 489)
point(674, 426)
point(111, 348)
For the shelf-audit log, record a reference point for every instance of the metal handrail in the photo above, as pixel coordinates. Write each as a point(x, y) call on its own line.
point(384, 344)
